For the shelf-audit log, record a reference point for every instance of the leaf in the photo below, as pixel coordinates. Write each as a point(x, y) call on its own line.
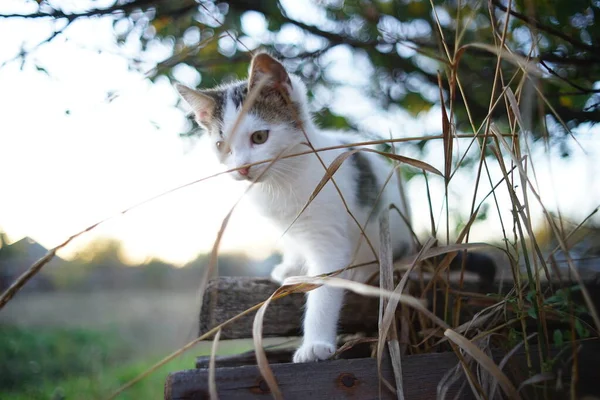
point(582, 332)
point(532, 313)
point(554, 299)
point(42, 69)
point(161, 23)
point(557, 337)
point(530, 296)
point(485, 361)
point(327, 119)
point(414, 103)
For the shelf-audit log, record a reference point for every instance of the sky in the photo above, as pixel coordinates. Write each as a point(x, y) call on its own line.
point(69, 157)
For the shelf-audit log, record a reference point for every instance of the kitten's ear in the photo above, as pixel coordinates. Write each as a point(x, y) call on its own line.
point(202, 104)
point(265, 65)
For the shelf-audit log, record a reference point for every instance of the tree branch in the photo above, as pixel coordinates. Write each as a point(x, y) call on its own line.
point(581, 89)
point(57, 14)
point(594, 50)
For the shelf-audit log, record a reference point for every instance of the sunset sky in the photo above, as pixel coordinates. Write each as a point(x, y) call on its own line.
point(69, 157)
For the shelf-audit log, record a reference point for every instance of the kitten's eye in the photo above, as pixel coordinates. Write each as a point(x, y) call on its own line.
point(259, 137)
point(219, 145)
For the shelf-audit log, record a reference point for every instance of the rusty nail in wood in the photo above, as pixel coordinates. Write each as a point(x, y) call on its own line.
point(262, 385)
point(348, 380)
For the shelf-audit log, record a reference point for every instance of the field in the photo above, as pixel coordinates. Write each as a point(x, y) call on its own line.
point(86, 345)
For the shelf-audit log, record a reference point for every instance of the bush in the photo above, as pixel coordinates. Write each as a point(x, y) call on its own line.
point(31, 357)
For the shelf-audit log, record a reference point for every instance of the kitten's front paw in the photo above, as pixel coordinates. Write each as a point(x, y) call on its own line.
point(314, 351)
point(283, 271)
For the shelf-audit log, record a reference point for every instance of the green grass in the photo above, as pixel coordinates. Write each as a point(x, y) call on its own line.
point(83, 364)
point(101, 384)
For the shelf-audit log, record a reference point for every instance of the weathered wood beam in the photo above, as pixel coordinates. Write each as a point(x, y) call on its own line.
point(234, 295)
point(226, 297)
point(358, 378)
point(336, 379)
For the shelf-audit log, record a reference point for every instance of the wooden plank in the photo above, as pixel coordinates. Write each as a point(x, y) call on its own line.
point(283, 317)
point(247, 358)
point(336, 379)
point(277, 355)
point(357, 378)
point(227, 297)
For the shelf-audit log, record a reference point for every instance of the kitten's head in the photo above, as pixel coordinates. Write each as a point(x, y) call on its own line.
point(273, 123)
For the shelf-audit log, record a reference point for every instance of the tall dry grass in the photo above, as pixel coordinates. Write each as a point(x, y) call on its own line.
point(406, 325)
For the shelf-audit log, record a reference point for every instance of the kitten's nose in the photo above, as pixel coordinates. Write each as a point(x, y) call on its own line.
point(244, 171)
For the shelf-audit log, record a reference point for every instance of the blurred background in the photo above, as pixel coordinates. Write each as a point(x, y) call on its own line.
point(90, 126)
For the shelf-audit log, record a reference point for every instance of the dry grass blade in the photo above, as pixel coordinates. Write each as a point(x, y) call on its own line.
point(354, 286)
point(366, 290)
point(211, 267)
point(479, 320)
point(526, 65)
point(407, 160)
point(485, 361)
point(212, 383)
point(448, 380)
point(437, 251)
point(329, 172)
point(582, 223)
point(558, 117)
point(337, 163)
point(386, 281)
point(353, 342)
point(203, 283)
point(389, 314)
point(464, 232)
point(514, 105)
point(447, 135)
point(204, 336)
point(248, 103)
point(537, 378)
point(261, 356)
point(214, 253)
point(584, 291)
point(339, 160)
point(37, 266)
point(507, 357)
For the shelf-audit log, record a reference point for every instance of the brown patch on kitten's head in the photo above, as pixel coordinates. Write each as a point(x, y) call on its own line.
point(274, 103)
point(264, 66)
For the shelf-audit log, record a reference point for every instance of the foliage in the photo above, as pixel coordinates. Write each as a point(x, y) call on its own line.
point(73, 364)
point(398, 45)
point(100, 385)
point(31, 357)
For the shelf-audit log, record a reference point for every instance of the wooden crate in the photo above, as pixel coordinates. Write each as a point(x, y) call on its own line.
point(238, 378)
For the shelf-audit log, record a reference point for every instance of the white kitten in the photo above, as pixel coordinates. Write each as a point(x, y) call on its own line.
point(324, 238)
